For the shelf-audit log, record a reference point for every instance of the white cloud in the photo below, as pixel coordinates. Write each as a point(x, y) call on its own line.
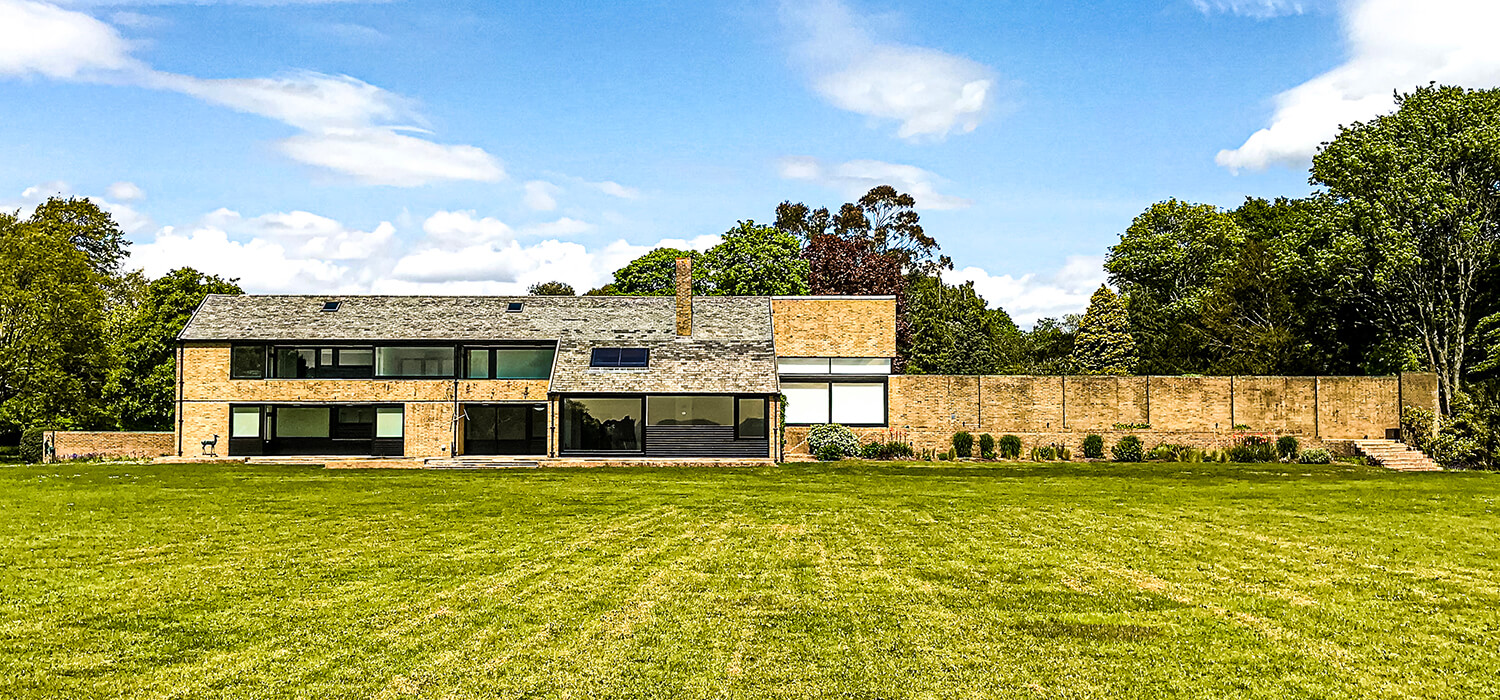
point(1260, 9)
point(540, 195)
point(1393, 45)
point(261, 266)
point(461, 228)
point(931, 93)
point(1031, 297)
point(562, 227)
point(856, 177)
point(507, 267)
point(348, 126)
point(307, 235)
point(125, 192)
point(136, 20)
point(126, 217)
point(41, 39)
point(615, 189)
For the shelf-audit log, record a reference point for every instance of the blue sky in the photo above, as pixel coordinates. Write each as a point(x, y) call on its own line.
point(408, 147)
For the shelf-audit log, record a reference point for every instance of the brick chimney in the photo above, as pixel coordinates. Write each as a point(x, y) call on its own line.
point(684, 296)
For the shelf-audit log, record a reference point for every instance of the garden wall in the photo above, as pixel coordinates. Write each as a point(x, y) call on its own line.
point(73, 444)
point(1197, 411)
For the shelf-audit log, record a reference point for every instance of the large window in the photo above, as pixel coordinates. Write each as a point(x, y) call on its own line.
point(414, 362)
point(321, 363)
point(244, 422)
point(247, 362)
point(751, 419)
point(690, 410)
point(619, 357)
point(302, 422)
point(326, 429)
point(509, 363)
point(849, 403)
point(389, 422)
point(603, 424)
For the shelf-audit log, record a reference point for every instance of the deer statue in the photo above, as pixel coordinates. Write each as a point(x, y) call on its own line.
point(209, 445)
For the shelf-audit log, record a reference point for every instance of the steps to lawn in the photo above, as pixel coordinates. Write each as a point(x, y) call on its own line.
point(476, 462)
point(1397, 456)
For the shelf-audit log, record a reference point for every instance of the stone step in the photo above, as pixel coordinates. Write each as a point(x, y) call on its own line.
point(477, 463)
point(1397, 456)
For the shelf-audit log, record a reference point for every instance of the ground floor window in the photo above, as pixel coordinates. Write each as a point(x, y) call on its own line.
point(316, 429)
point(603, 424)
point(666, 425)
point(849, 403)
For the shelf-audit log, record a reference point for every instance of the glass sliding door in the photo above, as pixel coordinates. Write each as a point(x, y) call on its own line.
point(505, 429)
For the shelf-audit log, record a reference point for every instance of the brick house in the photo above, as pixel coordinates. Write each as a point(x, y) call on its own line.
point(591, 377)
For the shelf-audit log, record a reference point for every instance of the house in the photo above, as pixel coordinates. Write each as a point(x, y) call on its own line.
point(586, 377)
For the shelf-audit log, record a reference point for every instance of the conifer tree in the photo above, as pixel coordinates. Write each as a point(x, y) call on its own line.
point(1103, 344)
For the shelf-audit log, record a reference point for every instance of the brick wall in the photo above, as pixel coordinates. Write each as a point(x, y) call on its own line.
point(1202, 411)
point(69, 444)
point(834, 327)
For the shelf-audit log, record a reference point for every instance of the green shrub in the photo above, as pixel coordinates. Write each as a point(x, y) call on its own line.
point(1093, 447)
point(1241, 426)
point(1315, 456)
point(1286, 447)
point(1132, 426)
point(987, 446)
point(943, 457)
point(897, 449)
point(963, 444)
point(871, 450)
point(1193, 456)
point(1010, 447)
point(829, 452)
point(1252, 449)
point(1064, 454)
point(832, 434)
point(1166, 452)
point(31, 445)
point(1043, 453)
point(1128, 449)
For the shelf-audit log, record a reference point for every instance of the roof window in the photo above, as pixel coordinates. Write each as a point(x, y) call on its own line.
point(332, 305)
point(513, 307)
point(619, 357)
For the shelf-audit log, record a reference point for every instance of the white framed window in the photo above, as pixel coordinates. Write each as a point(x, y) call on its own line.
point(860, 365)
point(806, 402)
point(858, 403)
point(802, 365)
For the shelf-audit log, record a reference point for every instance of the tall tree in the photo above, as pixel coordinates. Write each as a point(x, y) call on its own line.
point(1423, 188)
point(1103, 344)
point(953, 331)
point(56, 270)
point(1248, 320)
point(755, 259)
point(140, 387)
point(654, 274)
point(1047, 349)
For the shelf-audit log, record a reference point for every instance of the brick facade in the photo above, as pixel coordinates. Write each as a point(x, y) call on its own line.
point(73, 444)
point(834, 326)
point(926, 410)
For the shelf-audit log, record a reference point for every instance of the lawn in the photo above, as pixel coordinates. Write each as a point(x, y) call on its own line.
point(848, 580)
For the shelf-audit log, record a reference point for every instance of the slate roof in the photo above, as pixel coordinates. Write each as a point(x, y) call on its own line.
point(730, 350)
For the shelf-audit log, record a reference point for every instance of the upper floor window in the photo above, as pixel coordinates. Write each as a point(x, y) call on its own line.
point(508, 363)
point(833, 365)
point(247, 362)
point(415, 361)
point(321, 363)
point(620, 357)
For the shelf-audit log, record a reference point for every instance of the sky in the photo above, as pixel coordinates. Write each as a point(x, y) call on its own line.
point(477, 148)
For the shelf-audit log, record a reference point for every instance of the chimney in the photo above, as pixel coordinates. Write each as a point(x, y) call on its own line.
point(684, 296)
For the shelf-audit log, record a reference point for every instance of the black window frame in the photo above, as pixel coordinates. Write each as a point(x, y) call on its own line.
point(615, 358)
point(332, 369)
point(563, 416)
point(492, 358)
point(458, 361)
point(765, 417)
point(259, 348)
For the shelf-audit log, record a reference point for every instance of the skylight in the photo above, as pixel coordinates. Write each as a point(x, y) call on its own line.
point(332, 305)
point(513, 307)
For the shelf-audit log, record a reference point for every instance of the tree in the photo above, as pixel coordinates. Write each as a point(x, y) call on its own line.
point(1103, 344)
point(953, 331)
point(551, 289)
point(140, 386)
point(1423, 189)
point(654, 274)
point(1164, 265)
point(1048, 348)
point(756, 260)
point(56, 270)
point(1248, 319)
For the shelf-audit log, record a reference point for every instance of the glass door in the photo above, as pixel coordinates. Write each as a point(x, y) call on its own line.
point(505, 429)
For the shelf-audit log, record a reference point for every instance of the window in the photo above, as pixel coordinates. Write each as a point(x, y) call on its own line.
point(244, 422)
point(859, 404)
point(479, 364)
point(860, 365)
point(524, 363)
point(356, 357)
point(389, 422)
point(603, 424)
point(414, 362)
point(247, 362)
point(619, 357)
point(295, 363)
point(513, 307)
point(849, 403)
point(332, 305)
point(833, 365)
point(802, 365)
point(806, 403)
point(752, 419)
point(690, 410)
point(302, 422)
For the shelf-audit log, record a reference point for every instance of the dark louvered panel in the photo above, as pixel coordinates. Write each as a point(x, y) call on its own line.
point(701, 441)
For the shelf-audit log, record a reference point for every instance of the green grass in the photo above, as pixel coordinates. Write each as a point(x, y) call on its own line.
point(819, 580)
